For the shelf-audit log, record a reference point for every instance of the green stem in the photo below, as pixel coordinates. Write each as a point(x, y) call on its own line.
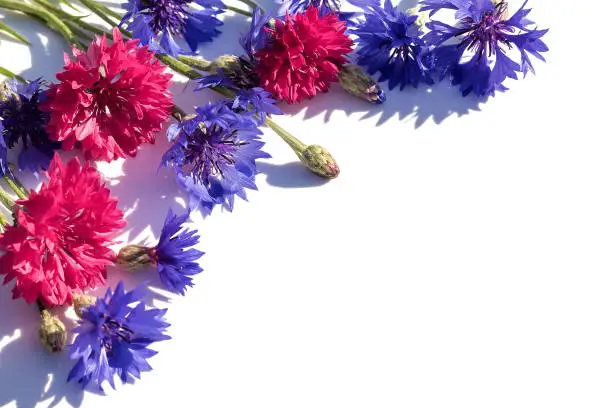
point(178, 66)
point(238, 10)
point(51, 19)
point(252, 4)
point(16, 186)
point(297, 145)
point(74, 20)
point(101, 11)
point(196, 62)
point(106, 10)
point(6, 200)
point(3, 222)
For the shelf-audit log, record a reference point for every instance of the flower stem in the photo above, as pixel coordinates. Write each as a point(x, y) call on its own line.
point(296, 144)
point(196, 62)
point(6, 200)
point(252, 4)
point(74, 21)
point(51, 19)
point(238, 10)
point(107, 10)
point(16, 186)
point(102, 11)
point(3, 222)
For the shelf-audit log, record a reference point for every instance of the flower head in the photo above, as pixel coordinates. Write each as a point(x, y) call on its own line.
point(175, 259)
point(159, 23)
point(173, 256)
point(23, 121)
point(214, 155)
point(483, 58)
point(303, 56)
point(110, 99)
point(389, 42)
point(59, 242)
point(113, 338)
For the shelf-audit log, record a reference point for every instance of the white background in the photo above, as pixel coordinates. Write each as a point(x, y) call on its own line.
point(461, 259)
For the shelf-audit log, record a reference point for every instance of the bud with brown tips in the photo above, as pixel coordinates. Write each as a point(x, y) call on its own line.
point(320, 161)
point(357, 82)
point(52, 332)
point(134, 257)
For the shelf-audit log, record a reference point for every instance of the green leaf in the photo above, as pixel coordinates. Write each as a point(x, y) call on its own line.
point(13, 33)
point(9, 74)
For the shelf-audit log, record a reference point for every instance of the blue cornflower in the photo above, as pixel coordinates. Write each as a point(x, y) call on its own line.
point(214, 155)
point(158, 23)
point(257, 36)
point(390, 42)
point(481, 61)
point(175, 259)
point(255, 103)
point(113, 338)
point(23, 121)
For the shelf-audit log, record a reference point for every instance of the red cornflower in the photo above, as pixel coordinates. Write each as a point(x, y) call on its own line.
point(303, 56)
point(59, 241)
point(111, 99)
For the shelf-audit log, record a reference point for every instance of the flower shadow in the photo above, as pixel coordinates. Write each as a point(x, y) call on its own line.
point(28, 374)
point(436, 102)
point(289, 175)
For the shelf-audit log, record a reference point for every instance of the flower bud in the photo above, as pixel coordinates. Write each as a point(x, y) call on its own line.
point(320, 161)
point(5, 92)
point(358, 83)
point(52, 332)
point(80, 302)
point(134, 257)
point(238, 70)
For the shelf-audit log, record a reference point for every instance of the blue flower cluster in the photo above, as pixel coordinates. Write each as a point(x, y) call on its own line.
point(22, 121)
point(478, 50)
point(160, 23)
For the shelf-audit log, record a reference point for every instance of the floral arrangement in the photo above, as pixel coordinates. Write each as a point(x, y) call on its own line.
point(113, 96)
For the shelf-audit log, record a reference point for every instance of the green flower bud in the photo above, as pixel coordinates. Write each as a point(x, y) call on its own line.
point(80, 302)
point(320, 161)
point(357, 82)
point(5, 92)
point(238, 70)
point(52, 332)
point(134, 257)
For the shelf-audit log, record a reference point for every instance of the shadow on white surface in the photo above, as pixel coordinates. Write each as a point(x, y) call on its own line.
point(437, 102)
point(28, 374)
point(289, 175)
